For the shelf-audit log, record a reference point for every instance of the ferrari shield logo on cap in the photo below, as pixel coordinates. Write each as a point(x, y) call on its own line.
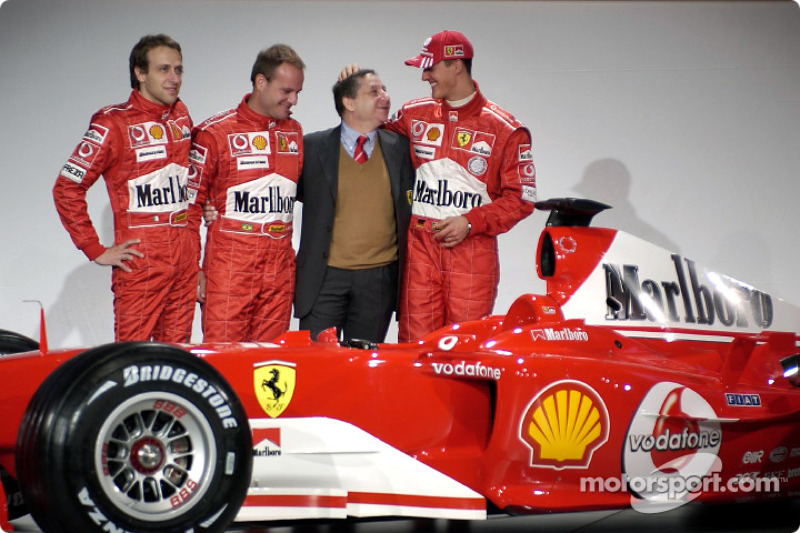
point(274, 383)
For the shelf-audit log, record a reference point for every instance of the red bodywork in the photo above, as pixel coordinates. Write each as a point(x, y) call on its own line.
point(524, 407)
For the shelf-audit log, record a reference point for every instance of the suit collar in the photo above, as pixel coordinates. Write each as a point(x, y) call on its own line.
point(329, 158)
point(389, 146)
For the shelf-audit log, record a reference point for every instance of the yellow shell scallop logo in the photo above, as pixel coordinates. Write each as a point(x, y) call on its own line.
point(564, 424)
point(260, 142)
point(156, 132)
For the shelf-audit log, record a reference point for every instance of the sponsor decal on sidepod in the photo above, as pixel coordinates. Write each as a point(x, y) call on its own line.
point(465, 369)
point(674, 436)
point(564, 425)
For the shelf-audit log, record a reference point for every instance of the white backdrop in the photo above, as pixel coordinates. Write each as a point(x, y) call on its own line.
point(685, 116)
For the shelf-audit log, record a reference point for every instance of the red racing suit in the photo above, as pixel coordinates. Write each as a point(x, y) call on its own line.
point(475, 161)
point(247, 166)
point(142, 150)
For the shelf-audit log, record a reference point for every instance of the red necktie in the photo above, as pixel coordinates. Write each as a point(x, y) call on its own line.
point(359, 154)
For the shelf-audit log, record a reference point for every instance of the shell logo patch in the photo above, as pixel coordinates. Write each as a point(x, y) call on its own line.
point(564, 424)
point(260, 142)
point(425, 133)
point(249, 143)
point(156, 131)
point(274, 383)
point(145, 134)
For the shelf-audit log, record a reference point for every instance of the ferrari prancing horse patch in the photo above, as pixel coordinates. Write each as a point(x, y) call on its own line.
point(274, 383)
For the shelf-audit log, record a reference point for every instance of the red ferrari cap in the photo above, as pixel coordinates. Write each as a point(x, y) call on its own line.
point(446, 44)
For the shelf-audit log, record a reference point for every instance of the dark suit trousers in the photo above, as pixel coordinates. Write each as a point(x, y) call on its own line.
point(359, 303)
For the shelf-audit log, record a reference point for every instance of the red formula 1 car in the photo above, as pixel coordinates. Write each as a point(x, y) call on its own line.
point(640, 379)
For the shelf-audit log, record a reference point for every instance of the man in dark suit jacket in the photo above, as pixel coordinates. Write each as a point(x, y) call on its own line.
point(356, 207)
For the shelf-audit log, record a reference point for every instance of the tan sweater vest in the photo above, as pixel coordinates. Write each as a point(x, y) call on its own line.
point(364, 228)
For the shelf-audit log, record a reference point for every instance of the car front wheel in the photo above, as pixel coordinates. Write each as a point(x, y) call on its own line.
point(134, 437)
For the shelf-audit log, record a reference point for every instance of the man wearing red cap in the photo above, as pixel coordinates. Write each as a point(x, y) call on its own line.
point(475, 180)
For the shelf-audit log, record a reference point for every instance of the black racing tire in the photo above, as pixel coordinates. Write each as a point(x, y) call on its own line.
point(134, 436)
point(15, 504)
point(11, 342)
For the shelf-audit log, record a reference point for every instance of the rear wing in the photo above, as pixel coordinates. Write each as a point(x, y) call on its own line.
point(571, 211)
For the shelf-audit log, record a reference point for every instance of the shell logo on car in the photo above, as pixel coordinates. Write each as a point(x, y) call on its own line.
point(274, 383)
point(564, 425)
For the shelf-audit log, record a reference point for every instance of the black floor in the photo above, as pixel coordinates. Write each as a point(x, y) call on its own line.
point(762, 518)
point(694, 518)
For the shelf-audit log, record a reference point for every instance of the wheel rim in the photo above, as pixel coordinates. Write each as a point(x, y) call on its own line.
point(154, 456)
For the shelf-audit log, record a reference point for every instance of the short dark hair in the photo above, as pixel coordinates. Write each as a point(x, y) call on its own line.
point(467, 64)
point(348, 88)
point(271, 58)
point(138, 57)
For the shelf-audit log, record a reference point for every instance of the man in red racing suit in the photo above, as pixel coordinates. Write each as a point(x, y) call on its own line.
point(246, 163)
point(475, 180)
point(141, 148)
